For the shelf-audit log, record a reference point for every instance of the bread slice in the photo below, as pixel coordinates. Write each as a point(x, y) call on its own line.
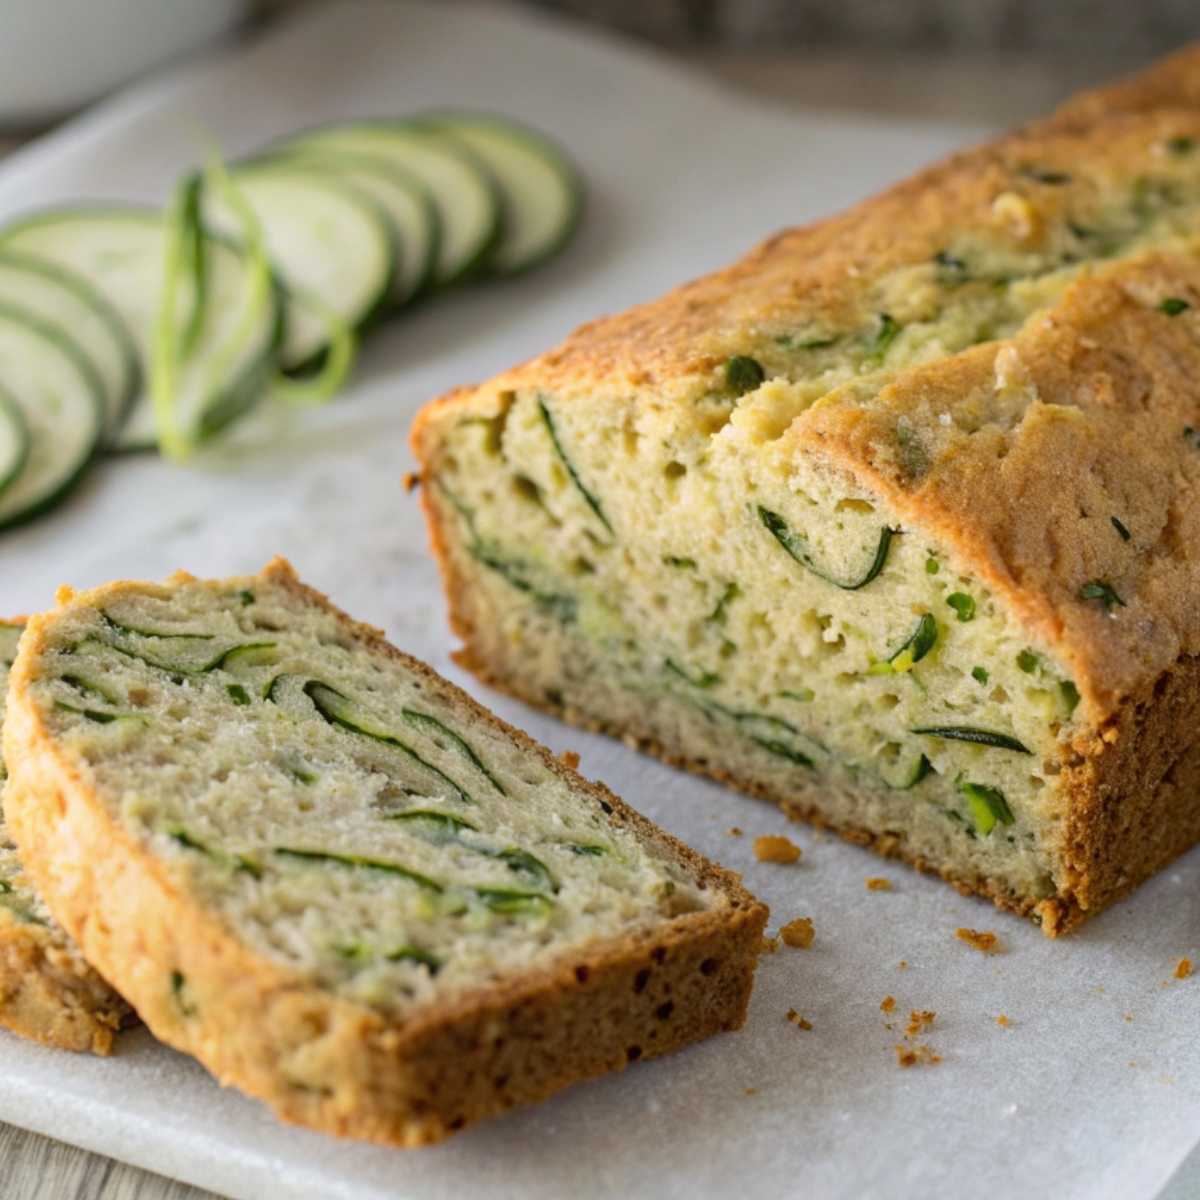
point(335, 879)
point(895, 522)
point(47, 991)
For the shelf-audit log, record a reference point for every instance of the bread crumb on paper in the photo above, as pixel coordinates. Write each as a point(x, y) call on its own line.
point(981, 940)
point(410, 481)
point(1003, 1021)
point(768, 945)
point(888, 1004)
point(798, 933)
point(775, 849)
point(797, 1020)
point(918, 1021)
point(917, 1055)
point(878, 884)
point(1183, 968)
point(902, 965)
point(752, 1091)
point(734, 831)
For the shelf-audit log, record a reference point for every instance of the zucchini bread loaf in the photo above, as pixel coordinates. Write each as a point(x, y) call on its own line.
point(336, 880)
point(47, 991)
point(895, 522)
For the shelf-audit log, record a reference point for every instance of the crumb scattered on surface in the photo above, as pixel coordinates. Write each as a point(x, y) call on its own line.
point(916, 1055)
point(1003, 1021)
point(797, 1020)
point(877, 883)
point(734, 831)
point(919, 1020)
point(411, 481)
point(888, 1004)
point(752, 1091)
point(1183, 968)
point(798, 933)
point(775, 849)
point(569, 759)
point(768, 945)
point(1129, 1016)
point(902, 965)
point(981, 940)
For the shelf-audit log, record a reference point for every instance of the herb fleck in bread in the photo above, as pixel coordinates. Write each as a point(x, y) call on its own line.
point(895, 522)
point(47, 991)
point(334, 878)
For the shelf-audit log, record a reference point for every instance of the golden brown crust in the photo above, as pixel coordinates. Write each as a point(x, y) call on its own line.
point(50, 995)
point(47, 992)
point(334, 1064)
point(1111, 383)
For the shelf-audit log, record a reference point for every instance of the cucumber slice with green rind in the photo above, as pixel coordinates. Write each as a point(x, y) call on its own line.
point(66, 299)
point(14, 439)
point(541, 188)
point(466, 197)
point(120, 251)
point(407, 204)
point(220, 360)
point(330, 244)
point(62, 402)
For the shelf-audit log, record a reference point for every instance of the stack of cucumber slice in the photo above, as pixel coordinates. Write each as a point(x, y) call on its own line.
point(126, 328)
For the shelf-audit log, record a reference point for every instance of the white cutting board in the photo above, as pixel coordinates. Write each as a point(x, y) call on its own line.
point(681, 177)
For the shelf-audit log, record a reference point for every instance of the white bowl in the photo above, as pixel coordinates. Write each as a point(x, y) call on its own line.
point(56, 55)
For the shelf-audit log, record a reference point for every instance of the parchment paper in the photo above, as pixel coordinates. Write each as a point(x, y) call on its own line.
point(1093, 1089)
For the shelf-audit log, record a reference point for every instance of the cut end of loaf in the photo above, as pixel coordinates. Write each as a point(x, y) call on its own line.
point(892, 522)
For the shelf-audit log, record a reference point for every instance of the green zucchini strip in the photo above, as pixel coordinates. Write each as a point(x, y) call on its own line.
point(513, 571)
point(444, 827)
point(236, 862)
point(166, 345)
point(797, 547)
point(433, 729)
point(910, 652)
point(588, 496)
point(340, 710)
point(499, 900)
point(362, 862)
point(986, 806)
point(980, 737)
point(134, 631)
point(339, 358)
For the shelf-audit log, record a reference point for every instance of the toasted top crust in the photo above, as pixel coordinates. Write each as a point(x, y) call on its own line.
point(1017, 451)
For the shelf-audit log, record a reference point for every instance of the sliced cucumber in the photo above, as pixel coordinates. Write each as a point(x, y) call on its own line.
point(121, 251)
point(464, 193)
point(406, 202)
point(330, 244)
point(61, 400)
point(66, 299)
point(209, 367)
point(541, 191)
point(14, 439)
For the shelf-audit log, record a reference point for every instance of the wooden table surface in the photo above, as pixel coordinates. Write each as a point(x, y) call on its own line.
point(978, 90)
